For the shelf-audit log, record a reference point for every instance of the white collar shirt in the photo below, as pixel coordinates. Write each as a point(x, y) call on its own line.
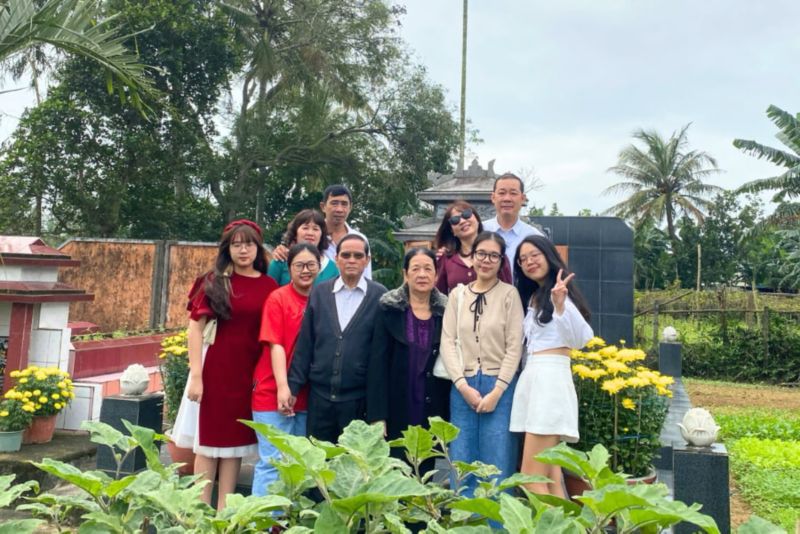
point(348, 299)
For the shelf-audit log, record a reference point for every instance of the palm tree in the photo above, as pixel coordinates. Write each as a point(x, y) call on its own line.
point(76, 27)
point(663, 179)
point(787, 184)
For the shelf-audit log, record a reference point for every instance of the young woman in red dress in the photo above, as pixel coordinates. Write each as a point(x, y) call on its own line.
point(233, 294)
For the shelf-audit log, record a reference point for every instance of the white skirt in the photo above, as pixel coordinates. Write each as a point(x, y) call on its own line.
point(545, 401)
point(186, 436)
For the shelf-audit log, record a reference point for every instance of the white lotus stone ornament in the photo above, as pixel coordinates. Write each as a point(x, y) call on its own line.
point(669, 334)
point(134, 380)
point(698, 428)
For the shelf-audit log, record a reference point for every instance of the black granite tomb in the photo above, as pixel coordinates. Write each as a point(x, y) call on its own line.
point(143, 410)
point(701, 475)
point(600, 251)
point(669, 359)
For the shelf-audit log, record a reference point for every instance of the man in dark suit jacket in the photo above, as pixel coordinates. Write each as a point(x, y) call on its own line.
point(333, 346)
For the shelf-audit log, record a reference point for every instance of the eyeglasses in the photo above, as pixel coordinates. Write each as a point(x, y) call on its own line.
point(482, 255)
point(455, 219)
point(356, 255)
point(522, 260)
point(310, 266)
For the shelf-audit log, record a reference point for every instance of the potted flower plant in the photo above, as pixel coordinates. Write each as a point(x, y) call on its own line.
point(174, 367)
point(15, 416)
point(622, 405)
point(49, 390)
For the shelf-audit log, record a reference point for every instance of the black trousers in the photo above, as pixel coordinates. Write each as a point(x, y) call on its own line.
point(327, 419)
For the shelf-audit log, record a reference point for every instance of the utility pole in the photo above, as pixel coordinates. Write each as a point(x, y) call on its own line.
point(463, 87)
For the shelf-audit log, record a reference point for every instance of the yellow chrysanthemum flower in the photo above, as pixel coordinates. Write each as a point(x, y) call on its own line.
point(580, 370)
point(628, 404)
point(61, 385)
point(57, 405)
point(4, 413)
point(43, 399)
point(596, 342)
point(14, 374)
point(630, 355)
point(616, 367)
point(594, 374)
point(29, 408)
point(23, 380)
point(607, 352)
point(37, 392)
point(638, 382)
point(40, 376)
point(593, 356)
point(28, 394)
point(613, 386)
point(55, 396)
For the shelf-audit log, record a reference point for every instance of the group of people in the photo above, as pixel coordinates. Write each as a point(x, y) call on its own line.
point(308, 342)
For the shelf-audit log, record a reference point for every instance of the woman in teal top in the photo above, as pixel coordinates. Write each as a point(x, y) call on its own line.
point(308, 226)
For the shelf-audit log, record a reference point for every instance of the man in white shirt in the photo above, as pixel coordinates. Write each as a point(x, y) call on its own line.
point(508, 197)
point(336, 205)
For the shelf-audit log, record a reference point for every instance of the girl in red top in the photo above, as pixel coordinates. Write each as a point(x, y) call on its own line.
point(234, 295)
point(280, 324)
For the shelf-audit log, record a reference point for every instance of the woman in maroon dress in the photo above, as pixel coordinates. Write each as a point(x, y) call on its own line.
point(221, 380)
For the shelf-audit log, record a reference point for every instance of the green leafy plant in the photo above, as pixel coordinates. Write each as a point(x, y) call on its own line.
point(174, 367)
point(13, 416)
point(622, 405)
point(362, 488)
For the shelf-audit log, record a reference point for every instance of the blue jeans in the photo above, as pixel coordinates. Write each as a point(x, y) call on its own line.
point(265, 473)
point(484, 437)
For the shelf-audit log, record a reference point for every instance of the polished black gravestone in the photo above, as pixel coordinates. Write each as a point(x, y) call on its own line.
point(142, 410)
point(600, 253)
point(701, 475)
point(669, 359)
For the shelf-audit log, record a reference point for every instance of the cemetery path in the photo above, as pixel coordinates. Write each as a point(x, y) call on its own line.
point(728, 395)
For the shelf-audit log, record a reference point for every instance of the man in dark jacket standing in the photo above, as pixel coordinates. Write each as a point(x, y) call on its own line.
point(333, 346)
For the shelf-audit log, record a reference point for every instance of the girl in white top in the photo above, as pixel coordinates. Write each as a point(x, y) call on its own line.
point(545, 404)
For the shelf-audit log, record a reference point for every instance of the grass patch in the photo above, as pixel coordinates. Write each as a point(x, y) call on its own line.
point(768, 473)
point(765, 424)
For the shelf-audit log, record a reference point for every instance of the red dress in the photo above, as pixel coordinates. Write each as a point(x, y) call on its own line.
point(229, 365)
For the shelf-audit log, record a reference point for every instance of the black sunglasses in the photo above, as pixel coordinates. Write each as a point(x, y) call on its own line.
point(455, 219)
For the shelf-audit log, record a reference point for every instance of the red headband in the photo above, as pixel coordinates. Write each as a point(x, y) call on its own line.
point(245, 222)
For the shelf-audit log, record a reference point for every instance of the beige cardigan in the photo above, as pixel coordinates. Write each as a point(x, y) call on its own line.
point(496, 347)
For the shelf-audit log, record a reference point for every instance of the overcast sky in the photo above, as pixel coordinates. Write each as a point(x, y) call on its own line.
point(560, 86)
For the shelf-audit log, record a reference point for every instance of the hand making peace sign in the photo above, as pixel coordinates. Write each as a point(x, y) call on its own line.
point(559, 292)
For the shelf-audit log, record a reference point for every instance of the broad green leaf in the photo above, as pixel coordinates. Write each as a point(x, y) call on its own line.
point(330, 522)
point(92, 482)
point(386, 488)
point(105, 434)
point(366, 441)
point(145, 439)
point(297, 529)
point(291, 474)
point(551, 500)
point(113, 488)
point(435, 528)
point(418, 442)
point(49, 500)
point(554, 520)
point(479, 505)
point(517, 518)
point(349, 476)
point(9, 493)
point(101, 522)
point(757, 525)
point(445, 431)
point(298, 448)
point(240, 511)
point(394, 524)
point(519, 479)
point(20, 526)
point(471, 529)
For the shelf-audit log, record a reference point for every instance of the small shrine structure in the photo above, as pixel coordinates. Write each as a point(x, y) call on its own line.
point(34, 306)
point(473, 185)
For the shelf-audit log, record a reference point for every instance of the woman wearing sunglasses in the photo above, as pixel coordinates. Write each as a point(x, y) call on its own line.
point(481, 347)
point(460, 226)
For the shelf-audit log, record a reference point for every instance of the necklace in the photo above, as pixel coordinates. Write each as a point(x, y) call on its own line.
point(467, 255)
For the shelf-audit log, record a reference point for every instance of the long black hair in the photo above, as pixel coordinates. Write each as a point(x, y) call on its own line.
point(531, 293)
point(218, 282)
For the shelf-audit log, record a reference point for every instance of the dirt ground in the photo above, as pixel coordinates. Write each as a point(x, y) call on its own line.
point(722, 394)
